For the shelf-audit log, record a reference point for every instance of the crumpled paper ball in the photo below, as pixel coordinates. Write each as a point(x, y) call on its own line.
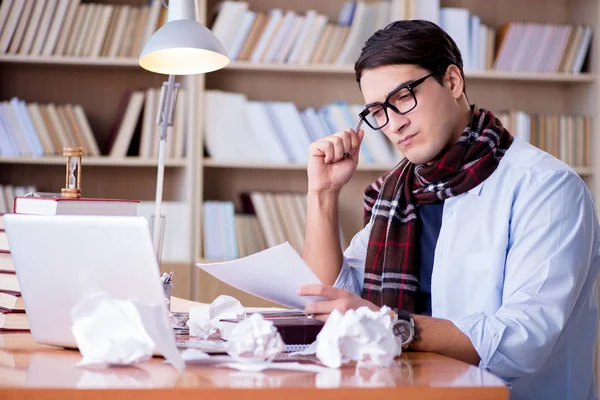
point(360, 335)
point(110, 331)
point(205, 320)
point(255, 339)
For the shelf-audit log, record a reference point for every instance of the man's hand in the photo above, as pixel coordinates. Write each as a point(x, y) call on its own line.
point(328, 170)
point(338, 299)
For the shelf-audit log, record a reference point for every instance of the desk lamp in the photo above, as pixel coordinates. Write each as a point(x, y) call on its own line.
point(183, 46)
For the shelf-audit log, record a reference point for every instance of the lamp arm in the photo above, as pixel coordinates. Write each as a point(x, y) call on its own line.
point(165, 119)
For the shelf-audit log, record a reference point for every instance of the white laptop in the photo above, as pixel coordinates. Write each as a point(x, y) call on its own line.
point(61, 260)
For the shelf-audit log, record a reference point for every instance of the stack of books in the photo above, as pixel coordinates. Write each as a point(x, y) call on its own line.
point(12, 308)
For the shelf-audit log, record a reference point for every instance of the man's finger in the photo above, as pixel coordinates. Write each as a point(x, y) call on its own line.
point(321, 317)
point(329, 292)
point(320, 307)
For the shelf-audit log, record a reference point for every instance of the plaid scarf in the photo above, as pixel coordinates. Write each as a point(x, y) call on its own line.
point(392, 266)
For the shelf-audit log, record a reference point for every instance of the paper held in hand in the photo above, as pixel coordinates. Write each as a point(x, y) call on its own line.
point(273, 274)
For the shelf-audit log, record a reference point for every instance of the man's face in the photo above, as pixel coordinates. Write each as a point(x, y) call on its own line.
point(431, 127)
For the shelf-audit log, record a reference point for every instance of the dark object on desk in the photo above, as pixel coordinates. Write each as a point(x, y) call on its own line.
point(295, 330)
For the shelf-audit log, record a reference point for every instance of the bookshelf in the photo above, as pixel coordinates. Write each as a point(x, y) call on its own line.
point(98, 84)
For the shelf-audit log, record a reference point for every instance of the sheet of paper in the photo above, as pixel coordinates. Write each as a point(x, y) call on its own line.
point(273, 274)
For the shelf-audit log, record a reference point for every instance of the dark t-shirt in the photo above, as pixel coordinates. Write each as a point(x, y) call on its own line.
point(430, 216)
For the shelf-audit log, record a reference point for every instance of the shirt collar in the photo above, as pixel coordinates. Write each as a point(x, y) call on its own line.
point(477, 189)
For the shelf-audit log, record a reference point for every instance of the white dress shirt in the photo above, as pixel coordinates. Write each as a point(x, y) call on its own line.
point(514, 269)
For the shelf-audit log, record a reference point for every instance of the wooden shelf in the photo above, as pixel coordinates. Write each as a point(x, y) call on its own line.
point(93, 161)
point(63, 60)
point(530, 76)
point(209, 163)
point(210, 260)
point(308, 68)
point(480, 75)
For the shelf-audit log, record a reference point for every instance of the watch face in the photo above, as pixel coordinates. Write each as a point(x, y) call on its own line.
point(402, 330)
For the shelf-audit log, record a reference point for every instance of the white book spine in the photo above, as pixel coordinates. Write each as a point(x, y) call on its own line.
point(38, 150)
point(283, 30)
point(309, 20)
point(261, 46)
point(242, 35)
point(57, 24)
point(287, 46)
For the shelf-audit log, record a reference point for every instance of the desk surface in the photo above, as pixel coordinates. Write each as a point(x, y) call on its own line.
point(29, 370)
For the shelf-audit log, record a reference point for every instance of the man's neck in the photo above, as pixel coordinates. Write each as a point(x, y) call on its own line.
point(464, 121)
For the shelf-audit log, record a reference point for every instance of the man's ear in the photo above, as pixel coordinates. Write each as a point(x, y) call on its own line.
point(454, 81)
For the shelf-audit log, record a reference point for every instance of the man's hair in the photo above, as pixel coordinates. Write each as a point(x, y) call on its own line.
point(414, 42)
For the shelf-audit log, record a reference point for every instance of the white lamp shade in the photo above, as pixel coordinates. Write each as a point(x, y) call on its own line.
point(183, 47)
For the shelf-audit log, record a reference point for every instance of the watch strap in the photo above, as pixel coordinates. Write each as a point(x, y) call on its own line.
point(402, 314)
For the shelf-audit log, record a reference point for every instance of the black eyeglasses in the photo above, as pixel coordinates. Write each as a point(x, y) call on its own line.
point(401, 100)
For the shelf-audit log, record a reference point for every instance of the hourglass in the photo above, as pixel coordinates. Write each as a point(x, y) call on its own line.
point(73, 178)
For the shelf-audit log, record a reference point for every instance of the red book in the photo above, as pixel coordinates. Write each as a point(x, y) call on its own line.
point(83, 206)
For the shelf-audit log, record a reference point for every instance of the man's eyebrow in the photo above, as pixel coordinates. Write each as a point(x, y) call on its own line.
point(408, 82)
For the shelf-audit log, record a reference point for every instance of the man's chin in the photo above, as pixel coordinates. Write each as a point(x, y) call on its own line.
point(420, 157)
point(416, 158)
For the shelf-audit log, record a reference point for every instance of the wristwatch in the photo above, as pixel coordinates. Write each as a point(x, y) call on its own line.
point(403, 328)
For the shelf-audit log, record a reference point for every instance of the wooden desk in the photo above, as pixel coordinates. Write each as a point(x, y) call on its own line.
point(32, 371)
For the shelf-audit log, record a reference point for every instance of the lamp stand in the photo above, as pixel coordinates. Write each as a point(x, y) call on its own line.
point(168, 100)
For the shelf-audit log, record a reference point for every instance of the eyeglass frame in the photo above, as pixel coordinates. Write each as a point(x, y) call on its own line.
point(386, 104)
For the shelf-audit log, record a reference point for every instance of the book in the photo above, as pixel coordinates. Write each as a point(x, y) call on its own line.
point(9, 283)
point(293, 330)
point(6, 263)
point(83, 206)
point(3, 241)
point(11, 301)
point(12, 321)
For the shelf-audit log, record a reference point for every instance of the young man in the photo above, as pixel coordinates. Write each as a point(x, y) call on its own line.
point(490, 243)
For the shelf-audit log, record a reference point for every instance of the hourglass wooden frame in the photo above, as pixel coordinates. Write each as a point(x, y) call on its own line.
point(68, 191)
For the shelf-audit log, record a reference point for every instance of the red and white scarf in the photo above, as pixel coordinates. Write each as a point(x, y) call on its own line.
point(391, 268)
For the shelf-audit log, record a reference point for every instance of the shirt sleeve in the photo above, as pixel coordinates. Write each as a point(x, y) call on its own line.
point(553, 239)
point(353, 265)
